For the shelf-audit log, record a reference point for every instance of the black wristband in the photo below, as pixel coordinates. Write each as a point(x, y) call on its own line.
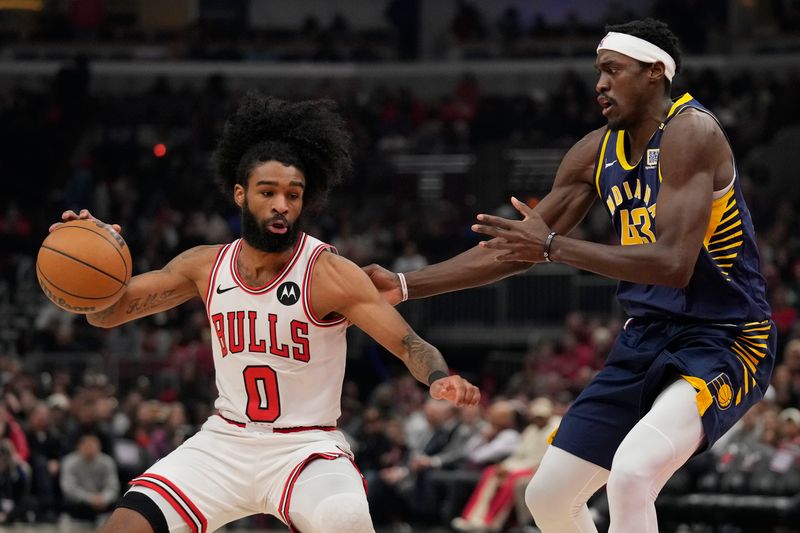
point(548, 242)
point(436, 374)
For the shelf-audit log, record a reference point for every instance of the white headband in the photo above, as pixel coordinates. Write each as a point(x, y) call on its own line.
point(639, 49)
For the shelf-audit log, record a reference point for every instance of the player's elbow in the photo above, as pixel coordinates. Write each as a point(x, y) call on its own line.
point(677, 274)
point(100, 322)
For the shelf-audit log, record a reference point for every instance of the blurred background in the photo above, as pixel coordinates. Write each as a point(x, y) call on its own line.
point(454, 105)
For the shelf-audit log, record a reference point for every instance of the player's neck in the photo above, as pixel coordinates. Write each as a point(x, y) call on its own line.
point(640, 133)
point(257, 266)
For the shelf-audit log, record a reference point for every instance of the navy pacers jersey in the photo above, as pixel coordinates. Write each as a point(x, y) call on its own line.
point(726, 285)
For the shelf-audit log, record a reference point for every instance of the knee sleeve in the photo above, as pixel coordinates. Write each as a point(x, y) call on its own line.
point(329, 498)
point(342, 513)
point(558, 492)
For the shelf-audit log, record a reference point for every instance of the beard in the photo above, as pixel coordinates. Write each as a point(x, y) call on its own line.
point(615, 124)
point(261, 238)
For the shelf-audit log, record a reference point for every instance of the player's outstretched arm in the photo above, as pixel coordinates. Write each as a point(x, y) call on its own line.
point(692, 149)
point(570, 198)
point(156, 291)
point(339, 286)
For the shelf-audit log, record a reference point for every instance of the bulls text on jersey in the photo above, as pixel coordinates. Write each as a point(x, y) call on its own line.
point(236, 332)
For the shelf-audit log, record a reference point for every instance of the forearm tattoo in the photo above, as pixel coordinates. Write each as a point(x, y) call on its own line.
point(150, 301)
point(423, 359)
point(136, 305)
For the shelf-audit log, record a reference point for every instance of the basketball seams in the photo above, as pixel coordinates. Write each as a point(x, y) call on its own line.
point(50, 282)
point(84, 263)
point(106, 237)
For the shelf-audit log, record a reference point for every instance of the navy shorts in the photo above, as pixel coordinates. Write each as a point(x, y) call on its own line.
point(728, 364)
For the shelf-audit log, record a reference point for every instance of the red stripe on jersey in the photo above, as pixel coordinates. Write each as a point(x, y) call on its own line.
point(212, 277)
point(304, 428)
point(294, 429)
point(285, 517)
point(180, 493)
point(307, 290)
point(170, 499)
point(298, 248)
point(232, 422)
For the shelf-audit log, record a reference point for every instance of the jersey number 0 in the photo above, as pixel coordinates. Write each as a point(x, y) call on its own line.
point(263, 400)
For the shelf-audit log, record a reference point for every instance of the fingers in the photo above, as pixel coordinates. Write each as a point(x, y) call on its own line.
point(497, 244)
point(461, 392)
point(521, 207)
point(498, 222)
point(473, 395)
point(457, 390)
point(66, 216)
point(491, 231)
point(69, 214)
point(83, 214)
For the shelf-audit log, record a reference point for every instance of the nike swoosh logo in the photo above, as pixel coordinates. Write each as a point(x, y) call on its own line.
point(609, 164)
point(220, 290)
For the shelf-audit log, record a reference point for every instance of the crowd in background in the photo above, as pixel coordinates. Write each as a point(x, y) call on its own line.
point(227, 31)
point(72, 435)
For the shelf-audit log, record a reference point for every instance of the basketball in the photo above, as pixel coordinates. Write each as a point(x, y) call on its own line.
point(83, 265)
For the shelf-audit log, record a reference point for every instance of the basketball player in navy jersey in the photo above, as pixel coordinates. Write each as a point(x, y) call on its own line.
point(697, 350)
point(279, 303)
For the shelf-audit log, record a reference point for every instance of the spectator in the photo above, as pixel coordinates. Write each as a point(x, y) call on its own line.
point(14, 483)
point(403, 487)
point(89, 481)
point(499, 438)
point(46, 452)
point(493, 499)
point(410, 259)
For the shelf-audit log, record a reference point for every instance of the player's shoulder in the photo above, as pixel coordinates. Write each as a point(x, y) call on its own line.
point(693, 130)
point(331, 263)
point(197, 258)
point(336, 274)
point(585, 150)
point(692, 120)
point(593, 137)
point(202, 254)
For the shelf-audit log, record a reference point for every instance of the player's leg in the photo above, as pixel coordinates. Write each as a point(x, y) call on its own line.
point(329, 497)
point(652, 451)
point(559, 490)
point(125, 520)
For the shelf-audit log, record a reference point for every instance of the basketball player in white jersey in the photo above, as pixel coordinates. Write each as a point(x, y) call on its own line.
point(279, 303)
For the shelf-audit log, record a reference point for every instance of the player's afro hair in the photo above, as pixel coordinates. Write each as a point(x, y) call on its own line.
point(309, 135)
point(653, 31)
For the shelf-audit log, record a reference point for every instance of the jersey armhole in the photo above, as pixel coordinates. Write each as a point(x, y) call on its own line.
point(598, 163)
point(212, 276)
point(313, 318)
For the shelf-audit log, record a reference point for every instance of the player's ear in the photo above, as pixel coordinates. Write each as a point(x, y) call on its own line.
point(238, 194)
point(657, 71)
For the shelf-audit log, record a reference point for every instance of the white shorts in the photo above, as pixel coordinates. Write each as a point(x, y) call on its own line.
point(226, 472)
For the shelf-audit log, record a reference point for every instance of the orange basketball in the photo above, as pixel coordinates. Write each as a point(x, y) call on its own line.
point(83, 265)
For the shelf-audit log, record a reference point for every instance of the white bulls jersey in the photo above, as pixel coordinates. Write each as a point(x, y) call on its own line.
point(276, 362)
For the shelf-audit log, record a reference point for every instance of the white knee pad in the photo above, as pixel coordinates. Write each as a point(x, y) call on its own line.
point(342, 513)
point(547, 503)
point(557, 494)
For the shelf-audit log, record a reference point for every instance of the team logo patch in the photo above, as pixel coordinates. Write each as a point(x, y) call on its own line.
point(652, 157)
point(722, 390)
point(288, 293)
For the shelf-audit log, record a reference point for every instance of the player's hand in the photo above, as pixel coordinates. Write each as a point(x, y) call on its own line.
point(386, 281)
point(84, 214)
point(520, 240)
point(455, 389)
